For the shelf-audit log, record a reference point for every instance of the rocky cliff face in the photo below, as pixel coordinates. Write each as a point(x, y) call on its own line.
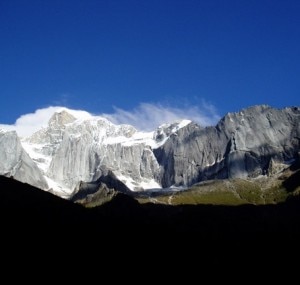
point(70, 152)
point(241, 145)
point(16, 163)
point(89, 145)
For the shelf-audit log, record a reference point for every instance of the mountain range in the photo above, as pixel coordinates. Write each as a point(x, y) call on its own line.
point(76, 157)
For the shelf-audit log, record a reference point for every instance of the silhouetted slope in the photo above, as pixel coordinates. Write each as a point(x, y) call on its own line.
point(211, 222)
point(23, 206)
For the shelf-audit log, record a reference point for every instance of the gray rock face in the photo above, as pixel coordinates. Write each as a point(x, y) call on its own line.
point(72, 151)
point(88, 146)
point(240, 146)
point(16, 163)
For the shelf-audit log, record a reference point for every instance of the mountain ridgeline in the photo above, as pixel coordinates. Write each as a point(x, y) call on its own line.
point(73, 154)
point(242, 145)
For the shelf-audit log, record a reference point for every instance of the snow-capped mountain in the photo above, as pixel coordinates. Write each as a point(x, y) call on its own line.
point(75, 149)
point(70, 150)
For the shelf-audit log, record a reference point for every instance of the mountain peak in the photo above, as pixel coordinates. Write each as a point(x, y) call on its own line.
point(60, 119)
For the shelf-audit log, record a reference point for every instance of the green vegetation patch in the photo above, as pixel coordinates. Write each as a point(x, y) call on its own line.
point(227, 192)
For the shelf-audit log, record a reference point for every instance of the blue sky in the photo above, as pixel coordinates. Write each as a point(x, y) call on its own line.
point(190, 55)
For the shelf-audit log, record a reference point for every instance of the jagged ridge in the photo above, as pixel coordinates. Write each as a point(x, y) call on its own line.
point(259, 140)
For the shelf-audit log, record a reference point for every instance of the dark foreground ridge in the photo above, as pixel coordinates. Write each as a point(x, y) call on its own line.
point(24, 208)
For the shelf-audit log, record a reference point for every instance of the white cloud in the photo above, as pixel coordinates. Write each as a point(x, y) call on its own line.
point(145, 117)
point(30, 123)
point(149, 116)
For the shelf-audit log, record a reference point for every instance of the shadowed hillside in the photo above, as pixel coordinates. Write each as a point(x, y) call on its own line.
point(22, 205)
point(25, 207)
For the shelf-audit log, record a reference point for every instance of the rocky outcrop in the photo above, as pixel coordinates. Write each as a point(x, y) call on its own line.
point(16, 163)
point(100, 191)
point(241, 145)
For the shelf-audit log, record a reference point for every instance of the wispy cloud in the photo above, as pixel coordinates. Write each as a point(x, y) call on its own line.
point(144, 117)
point(149, 116)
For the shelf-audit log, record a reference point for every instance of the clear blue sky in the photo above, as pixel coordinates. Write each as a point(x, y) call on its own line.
point(94, 55)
